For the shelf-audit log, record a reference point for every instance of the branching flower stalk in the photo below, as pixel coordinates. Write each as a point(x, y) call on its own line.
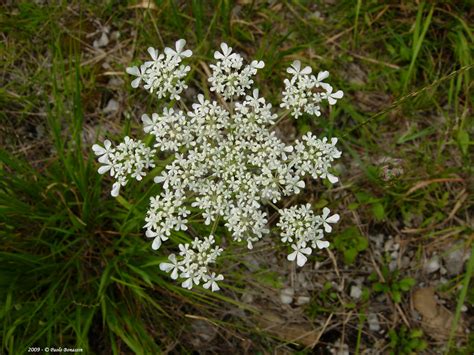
point(228, 162)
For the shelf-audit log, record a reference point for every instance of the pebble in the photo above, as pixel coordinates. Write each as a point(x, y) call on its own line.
point(102, 41)
point(112, 106)
point(301, 300)
point(373, 321)
point(356, 292)
point(454, 260)
point(286, 295)
point(247, 297)
point(432, 265)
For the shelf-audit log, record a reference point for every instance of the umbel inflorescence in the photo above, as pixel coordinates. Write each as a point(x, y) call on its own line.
point(228, 162)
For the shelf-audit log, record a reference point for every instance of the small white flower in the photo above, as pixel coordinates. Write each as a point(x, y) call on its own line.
point(295, 69)
point(332, 97)
point(138, 73)
point(326, 220)
point(172, 266)
point(98, 150)
point(212, 282)
point(299, 254)
point(321, 76)
point(226, 51)
point(179, 50)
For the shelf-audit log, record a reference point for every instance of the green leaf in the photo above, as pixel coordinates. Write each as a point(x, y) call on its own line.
point(350, 255)
point(362, 243)
point(380, 287)
point(396, 296)
point(463, 140)
point(407, 283)
point(378, 211)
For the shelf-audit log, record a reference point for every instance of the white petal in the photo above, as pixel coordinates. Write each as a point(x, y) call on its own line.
point(115, 189)
point(300, 184)
point(322, 244)
point(306, 70)
point(218, 55)
point(332, 179)
point(201, 99)
point(156, 243)
point(338, 94)
point(258, 64)
point(174, 274)
point(146, 119)
point(333, 219)
point(292, 256)
point(215, 287)
point(153, 53)
point(166, 267)
point(136, 82)
point(226, 50)
point(187, 53)
point(188, 284)
point(150, 234)
point(104, 159)
point(98, 150)
point(306, 251)
point(323, 75)
point(133, 71)
point(327, 227)
point(296, 65)
point(326, 212)
point(180, 45)
point(301, 259)
point(170, 52)
point(104, 168)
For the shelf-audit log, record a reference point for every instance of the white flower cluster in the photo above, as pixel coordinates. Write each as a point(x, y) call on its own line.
point(129, 158)
point(301, 227)
point(229, 75)
point(301, 92)
point(164, 74)
point(193, 264)
point(229, 163)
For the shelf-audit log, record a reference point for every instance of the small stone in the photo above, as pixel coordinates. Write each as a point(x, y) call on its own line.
point(356, 292)
point(115, 35)
point(373, 321)
point(432, 265)
point(388, 246)
point(454, 260)
point(247, 297)
point(301, 300)
point(102, 41)
point(286, 295)
point(112, 106)
point(115, 82)
point(339, 348)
